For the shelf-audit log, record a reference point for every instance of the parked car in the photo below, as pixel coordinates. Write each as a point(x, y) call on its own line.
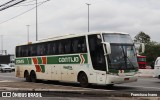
point(12, 66)
point(5, 68)
point(157, 68)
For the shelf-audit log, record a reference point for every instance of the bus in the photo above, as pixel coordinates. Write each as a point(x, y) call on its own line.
point(102, 58)
point(142, 61)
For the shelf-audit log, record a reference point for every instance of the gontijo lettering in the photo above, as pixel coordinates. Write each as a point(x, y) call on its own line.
point(69, 59)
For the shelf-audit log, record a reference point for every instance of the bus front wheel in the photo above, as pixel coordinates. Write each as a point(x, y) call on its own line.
point(83, 80)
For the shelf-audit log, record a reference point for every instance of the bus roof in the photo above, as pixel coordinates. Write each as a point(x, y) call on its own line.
point(71, 36)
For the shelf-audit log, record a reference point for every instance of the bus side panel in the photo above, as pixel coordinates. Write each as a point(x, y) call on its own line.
point(45, 73)
point(19, 71)
point(89, 71)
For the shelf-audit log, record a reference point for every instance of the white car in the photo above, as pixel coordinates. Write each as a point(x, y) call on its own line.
point(5, 68)
point(12, 66)
point(157, 68)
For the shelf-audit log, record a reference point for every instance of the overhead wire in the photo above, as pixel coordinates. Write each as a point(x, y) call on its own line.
point(6, 6)
point(28, 4)
point(28, 1)
point(23, 12)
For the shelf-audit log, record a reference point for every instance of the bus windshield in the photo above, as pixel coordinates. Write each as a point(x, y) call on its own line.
point(123, 55)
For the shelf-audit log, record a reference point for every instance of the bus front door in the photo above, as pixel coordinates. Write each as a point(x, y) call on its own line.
point(97, 58)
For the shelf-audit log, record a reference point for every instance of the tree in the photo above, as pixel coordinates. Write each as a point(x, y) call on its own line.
point(152, 52)
point(142, 38)
point(151, 48)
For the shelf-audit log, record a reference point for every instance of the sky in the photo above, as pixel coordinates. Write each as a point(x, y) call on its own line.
point(59, 17)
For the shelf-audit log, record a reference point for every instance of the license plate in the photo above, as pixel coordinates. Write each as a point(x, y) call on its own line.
point(126, 79)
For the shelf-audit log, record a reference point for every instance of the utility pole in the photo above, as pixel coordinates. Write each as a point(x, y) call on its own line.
point(36, 22)
point(28, 32)
point(88, 14)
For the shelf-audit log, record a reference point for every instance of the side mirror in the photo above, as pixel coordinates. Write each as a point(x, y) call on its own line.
point(107, 47)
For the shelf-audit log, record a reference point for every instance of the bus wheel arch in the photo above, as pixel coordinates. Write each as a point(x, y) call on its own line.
point(27, 76)
point(83, 79)
point(33, 76)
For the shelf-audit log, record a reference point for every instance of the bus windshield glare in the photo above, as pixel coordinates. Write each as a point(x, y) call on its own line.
point(123, 53)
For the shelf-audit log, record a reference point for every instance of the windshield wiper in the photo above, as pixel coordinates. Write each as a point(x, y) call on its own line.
point(125, 56)
point(130, 62)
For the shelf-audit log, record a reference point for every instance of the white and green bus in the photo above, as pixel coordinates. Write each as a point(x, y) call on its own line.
point(104, 58)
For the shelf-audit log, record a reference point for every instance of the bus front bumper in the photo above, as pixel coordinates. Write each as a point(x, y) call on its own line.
point(113, 79)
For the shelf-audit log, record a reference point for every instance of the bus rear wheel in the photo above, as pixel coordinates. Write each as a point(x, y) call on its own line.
point(83, 80)
point(33, 76)
point(27, 76)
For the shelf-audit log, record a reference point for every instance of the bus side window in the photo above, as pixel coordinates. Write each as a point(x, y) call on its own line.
point(29, 51)
point(25, 51)
point(48, 49)
point(54, 48)
point(38, 50)
point(45, 49)
point(79, 45)
point(61, 47)
point(75, 45)
point(67, 46)
point(82, 45)
point(33, 50)
point(18, 51)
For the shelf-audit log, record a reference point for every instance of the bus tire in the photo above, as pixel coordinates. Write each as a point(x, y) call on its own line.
point(33, 76)
point(83, 80)
point(27, 76)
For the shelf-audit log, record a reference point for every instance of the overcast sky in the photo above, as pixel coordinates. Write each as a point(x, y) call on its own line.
point(58, 17)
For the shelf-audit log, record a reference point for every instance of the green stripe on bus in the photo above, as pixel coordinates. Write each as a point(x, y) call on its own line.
point(39, 60)
point(29, 61)
point(42, 68)
point(66, 59)
point(75, 59)
point(23, 61)
point(85, 57)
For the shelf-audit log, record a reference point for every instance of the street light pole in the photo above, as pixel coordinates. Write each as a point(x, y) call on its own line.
point(88, 15)
point(36, 22)
point(2, 44)
point(28, 32)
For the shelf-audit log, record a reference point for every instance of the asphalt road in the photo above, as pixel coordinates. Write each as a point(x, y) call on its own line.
point(143, 85)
